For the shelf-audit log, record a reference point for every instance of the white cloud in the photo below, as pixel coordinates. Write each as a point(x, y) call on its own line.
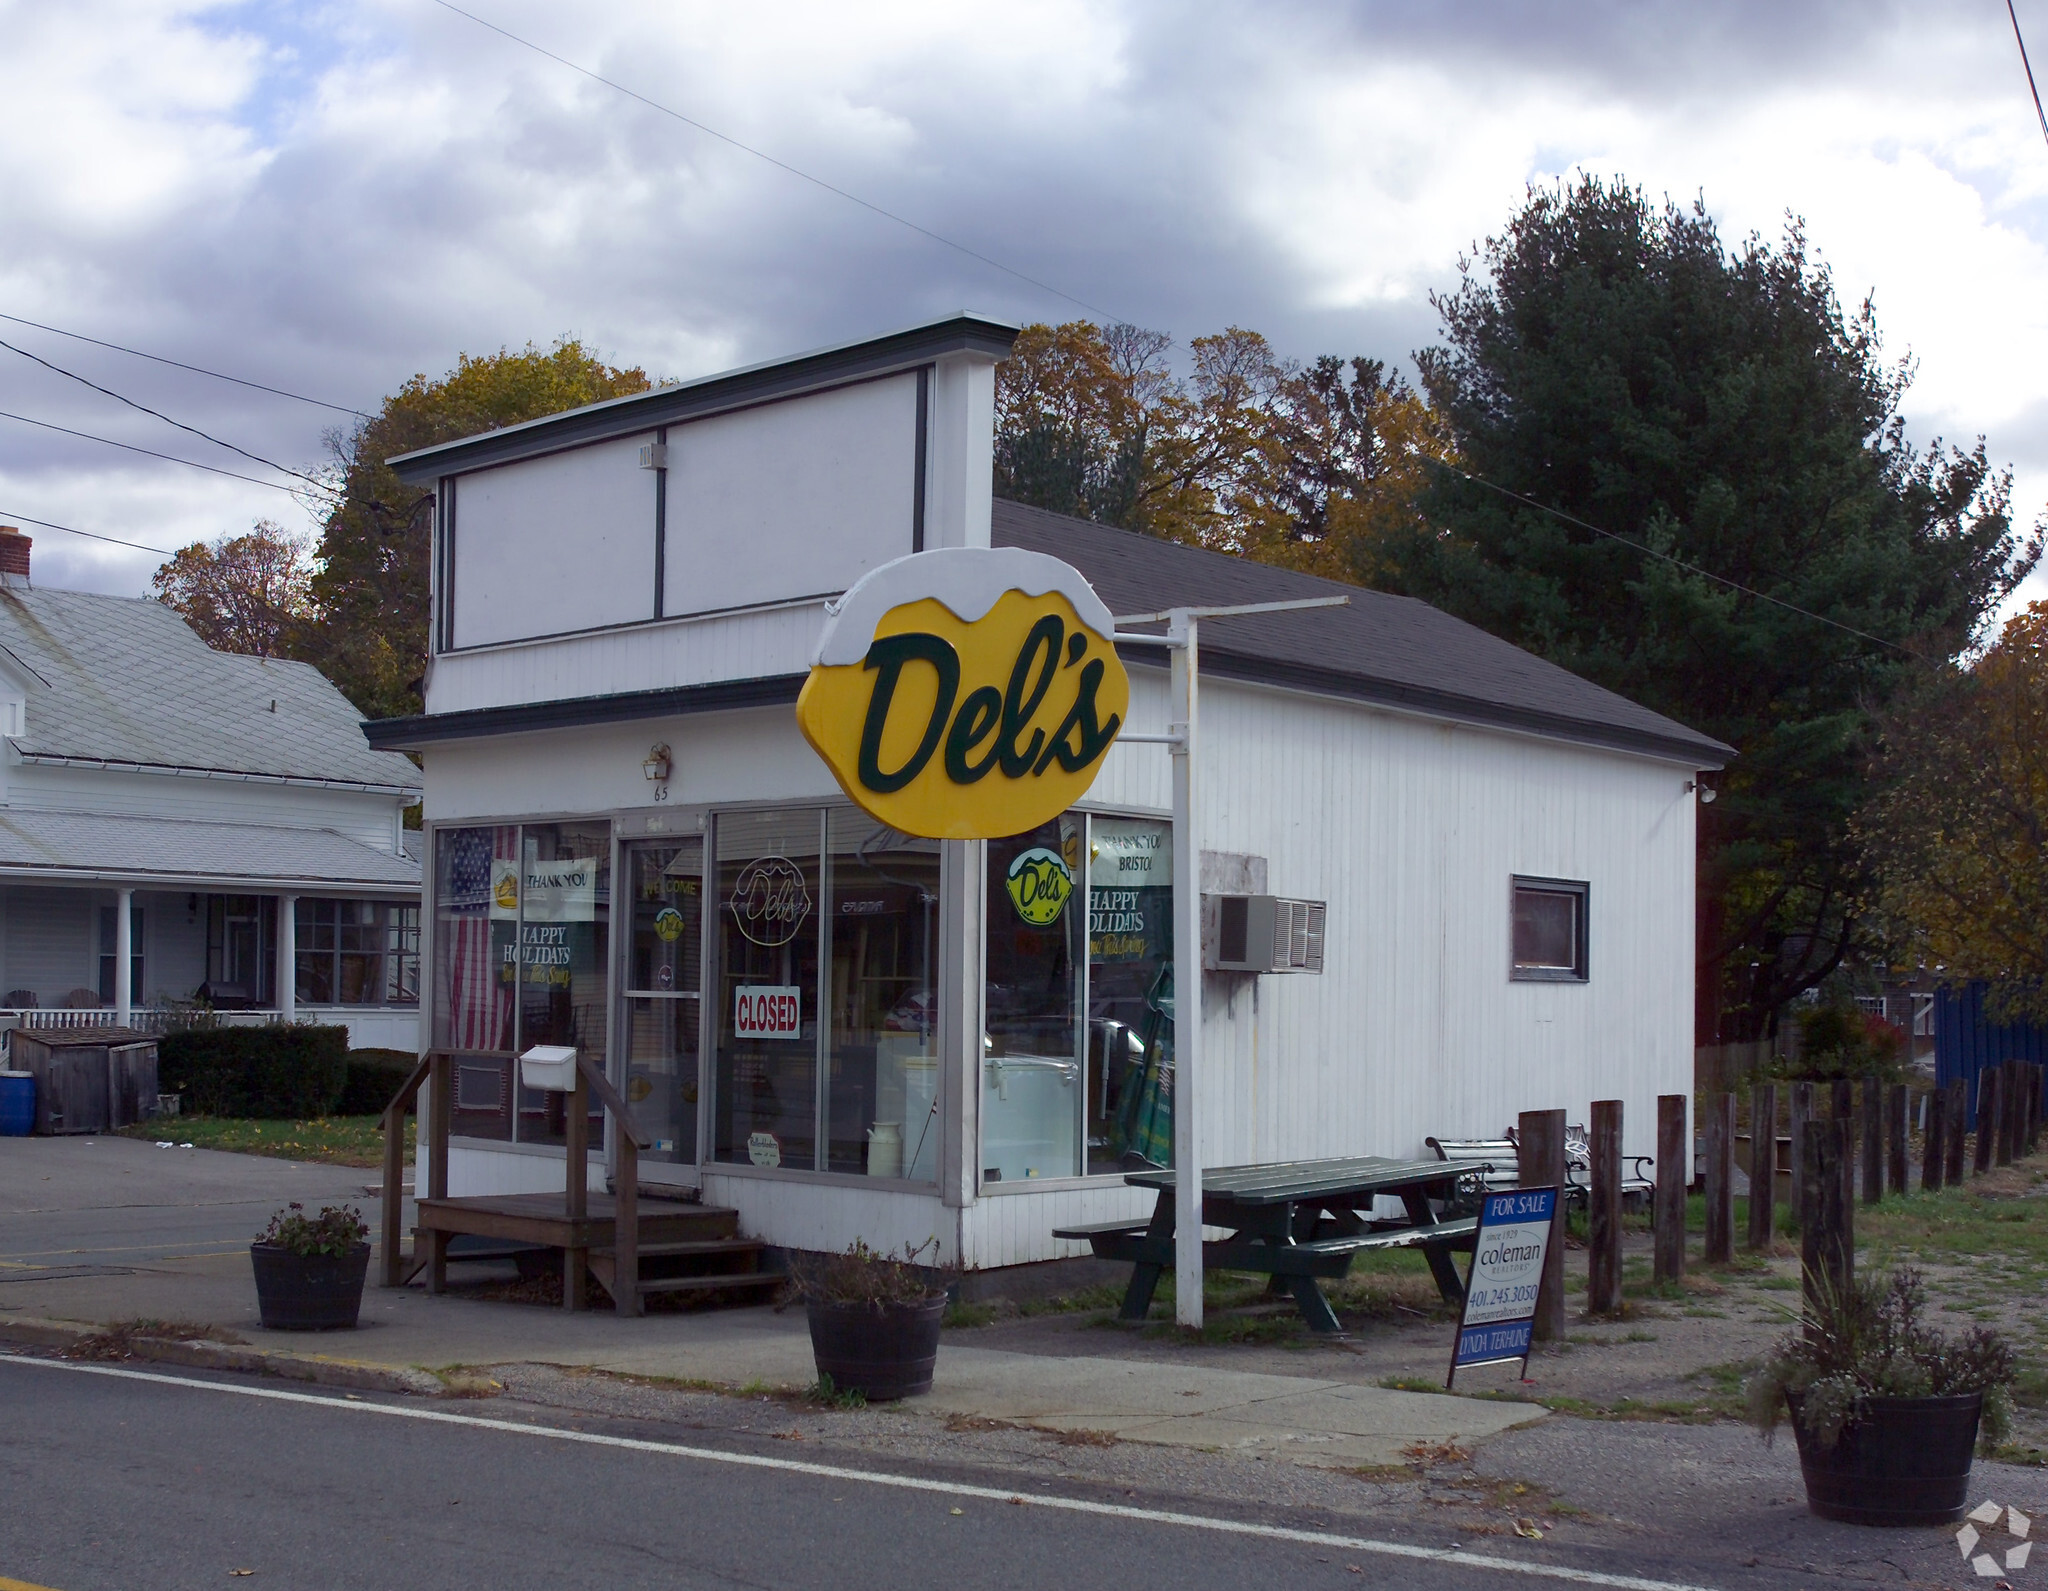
point(331, 200)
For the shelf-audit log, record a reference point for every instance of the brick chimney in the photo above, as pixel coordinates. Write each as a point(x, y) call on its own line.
point(14, 550)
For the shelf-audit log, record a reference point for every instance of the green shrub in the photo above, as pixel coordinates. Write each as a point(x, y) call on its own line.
point(285, 1073)
point(373, 1077)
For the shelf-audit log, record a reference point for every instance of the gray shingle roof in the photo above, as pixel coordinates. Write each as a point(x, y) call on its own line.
point(127, 681)
point(1392, 650)
point(170, 849)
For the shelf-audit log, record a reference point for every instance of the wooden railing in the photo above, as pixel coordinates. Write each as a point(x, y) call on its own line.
point(434, 1072)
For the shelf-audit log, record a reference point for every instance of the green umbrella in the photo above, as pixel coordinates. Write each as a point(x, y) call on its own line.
point(1144, 1117)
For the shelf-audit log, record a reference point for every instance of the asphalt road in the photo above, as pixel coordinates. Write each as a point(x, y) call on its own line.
point(114, 1481)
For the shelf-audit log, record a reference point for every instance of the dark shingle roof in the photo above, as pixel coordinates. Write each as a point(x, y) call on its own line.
point(1393, 651)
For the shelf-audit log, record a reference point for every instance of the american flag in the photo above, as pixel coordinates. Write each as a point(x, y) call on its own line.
point(479, 1000)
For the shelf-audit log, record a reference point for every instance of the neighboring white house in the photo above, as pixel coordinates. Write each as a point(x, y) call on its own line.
point(634, 844)
point(217, 821)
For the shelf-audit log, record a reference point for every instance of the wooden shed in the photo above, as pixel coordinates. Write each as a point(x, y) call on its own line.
point(88, 1079)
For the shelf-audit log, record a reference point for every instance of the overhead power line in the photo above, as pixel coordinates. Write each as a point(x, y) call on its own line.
point(169, 458)
point(1675, 562)
point(158, 414)
point(9, 516)
point(2040, 114)
point(179, 364)
point(780, 165)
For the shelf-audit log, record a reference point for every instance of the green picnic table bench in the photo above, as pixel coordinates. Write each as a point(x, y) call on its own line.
point(1298, 1222)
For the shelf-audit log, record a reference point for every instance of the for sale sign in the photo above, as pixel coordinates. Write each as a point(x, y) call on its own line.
point(767, 1011)
point(1506, 1276)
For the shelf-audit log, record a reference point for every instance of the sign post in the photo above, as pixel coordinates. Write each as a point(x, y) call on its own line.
point(1505, 1280)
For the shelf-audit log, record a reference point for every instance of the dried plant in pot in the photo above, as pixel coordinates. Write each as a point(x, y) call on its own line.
point(310, 1269)
point(874, 1319)
point(1886, 1408)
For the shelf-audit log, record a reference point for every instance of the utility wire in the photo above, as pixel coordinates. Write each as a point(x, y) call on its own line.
point(72, 530)
point(254, 458)
point(781, 165)
point(275, 486)
point(1689, 568)
point(218, 375)
point(2029, 65)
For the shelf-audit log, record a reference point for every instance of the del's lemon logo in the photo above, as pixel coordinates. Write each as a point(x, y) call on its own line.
point(1039, 884)
point(967, 693)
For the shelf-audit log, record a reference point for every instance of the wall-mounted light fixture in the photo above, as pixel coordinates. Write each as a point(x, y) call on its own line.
point(1706, 791)
point(656, 766)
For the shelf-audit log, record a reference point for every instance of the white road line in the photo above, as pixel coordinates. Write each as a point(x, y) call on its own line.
point(912, 1483)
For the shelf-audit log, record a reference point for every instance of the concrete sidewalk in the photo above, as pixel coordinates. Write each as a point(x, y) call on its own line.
point(72, 1262)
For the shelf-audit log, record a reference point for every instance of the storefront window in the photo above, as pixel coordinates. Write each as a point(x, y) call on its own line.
point(881, 920)
point(1033, 1097)
point(476, 932)
point(664, 967)
point(1130, 993)
point(766, 890)
point(564, 905)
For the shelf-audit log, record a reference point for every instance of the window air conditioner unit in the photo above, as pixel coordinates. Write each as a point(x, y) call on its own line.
point(1268, 933)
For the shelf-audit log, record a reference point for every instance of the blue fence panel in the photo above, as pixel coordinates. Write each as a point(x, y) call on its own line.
point(1965, 1042)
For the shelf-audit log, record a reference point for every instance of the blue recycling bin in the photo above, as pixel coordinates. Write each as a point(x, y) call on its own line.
point(17, 1104)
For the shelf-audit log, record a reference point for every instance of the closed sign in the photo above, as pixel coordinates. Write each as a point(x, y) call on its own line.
point(768, 1011)
point(966, 693)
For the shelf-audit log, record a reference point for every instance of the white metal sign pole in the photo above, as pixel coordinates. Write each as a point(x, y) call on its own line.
point(1187, 983)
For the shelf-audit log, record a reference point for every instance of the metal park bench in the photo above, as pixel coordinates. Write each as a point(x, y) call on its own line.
point(1490, 1165)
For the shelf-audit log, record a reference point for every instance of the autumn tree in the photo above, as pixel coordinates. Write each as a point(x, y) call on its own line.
point(250, 593)
point(1776, 553)
point(371, 585)
point(1959, 837)
point(1240, 450)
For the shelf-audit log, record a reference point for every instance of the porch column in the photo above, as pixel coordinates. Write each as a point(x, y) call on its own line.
point(288, 957)
point(124, 957)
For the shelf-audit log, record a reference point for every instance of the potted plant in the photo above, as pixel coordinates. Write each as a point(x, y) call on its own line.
point(1886, 1408)
point(310, 1270)
point(874, 1320)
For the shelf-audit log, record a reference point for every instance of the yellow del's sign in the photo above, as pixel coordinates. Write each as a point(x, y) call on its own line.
point(966, 693)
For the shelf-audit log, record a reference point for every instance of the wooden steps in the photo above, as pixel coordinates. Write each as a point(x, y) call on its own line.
point(681, 1248)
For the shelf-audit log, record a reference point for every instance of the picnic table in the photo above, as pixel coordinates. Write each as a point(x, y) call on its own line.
point(1297, 1221)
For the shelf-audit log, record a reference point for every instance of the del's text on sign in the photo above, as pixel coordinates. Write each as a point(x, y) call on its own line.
point(966, 693)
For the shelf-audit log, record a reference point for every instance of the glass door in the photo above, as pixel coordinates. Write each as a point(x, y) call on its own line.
point(663, 995)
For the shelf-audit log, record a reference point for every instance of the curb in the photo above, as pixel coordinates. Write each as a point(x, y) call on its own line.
point(198, 1354)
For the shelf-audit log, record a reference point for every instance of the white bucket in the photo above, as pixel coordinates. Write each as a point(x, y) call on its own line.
point(885, 1149)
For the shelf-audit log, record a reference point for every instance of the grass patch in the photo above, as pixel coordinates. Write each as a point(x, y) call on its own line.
point(969, 1316)
point(1107, 1295)
point(330, 1140)
point(822, 1394)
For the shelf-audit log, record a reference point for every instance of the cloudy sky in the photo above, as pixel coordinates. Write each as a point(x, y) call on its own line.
point(329, 198)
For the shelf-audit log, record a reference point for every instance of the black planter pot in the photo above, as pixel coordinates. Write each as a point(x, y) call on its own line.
point(885, 1351)
point(309, 1292)
point(1906, 1461)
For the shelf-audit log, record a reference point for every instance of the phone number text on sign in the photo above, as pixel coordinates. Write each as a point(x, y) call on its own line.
point(1507, 1265)
point(767, 1011)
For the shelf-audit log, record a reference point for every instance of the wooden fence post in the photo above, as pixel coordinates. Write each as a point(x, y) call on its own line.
point(1763, 1165)
point(1674, 1172)
point(2013, 1100)
point(1958, 1092)
point(1827, 1237)
point(1987, 1119)
point(1873, 1141)
point(1843, 1096)
point(1934, 1149)
point(1801, 1114)
point(1719, 1132)
point(2033, 1107)
point(1603, 1257)
point(1898, 1116)
point(1540, 1136)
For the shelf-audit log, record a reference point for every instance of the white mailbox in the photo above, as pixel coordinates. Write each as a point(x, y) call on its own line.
point(549, 1066)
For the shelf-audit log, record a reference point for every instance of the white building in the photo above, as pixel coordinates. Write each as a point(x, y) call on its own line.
point(216, 821)
point(630, 834)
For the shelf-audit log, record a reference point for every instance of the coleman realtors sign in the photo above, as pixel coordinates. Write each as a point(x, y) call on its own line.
point(967, 693)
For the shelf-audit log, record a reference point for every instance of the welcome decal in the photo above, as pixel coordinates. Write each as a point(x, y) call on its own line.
point(967, 693)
